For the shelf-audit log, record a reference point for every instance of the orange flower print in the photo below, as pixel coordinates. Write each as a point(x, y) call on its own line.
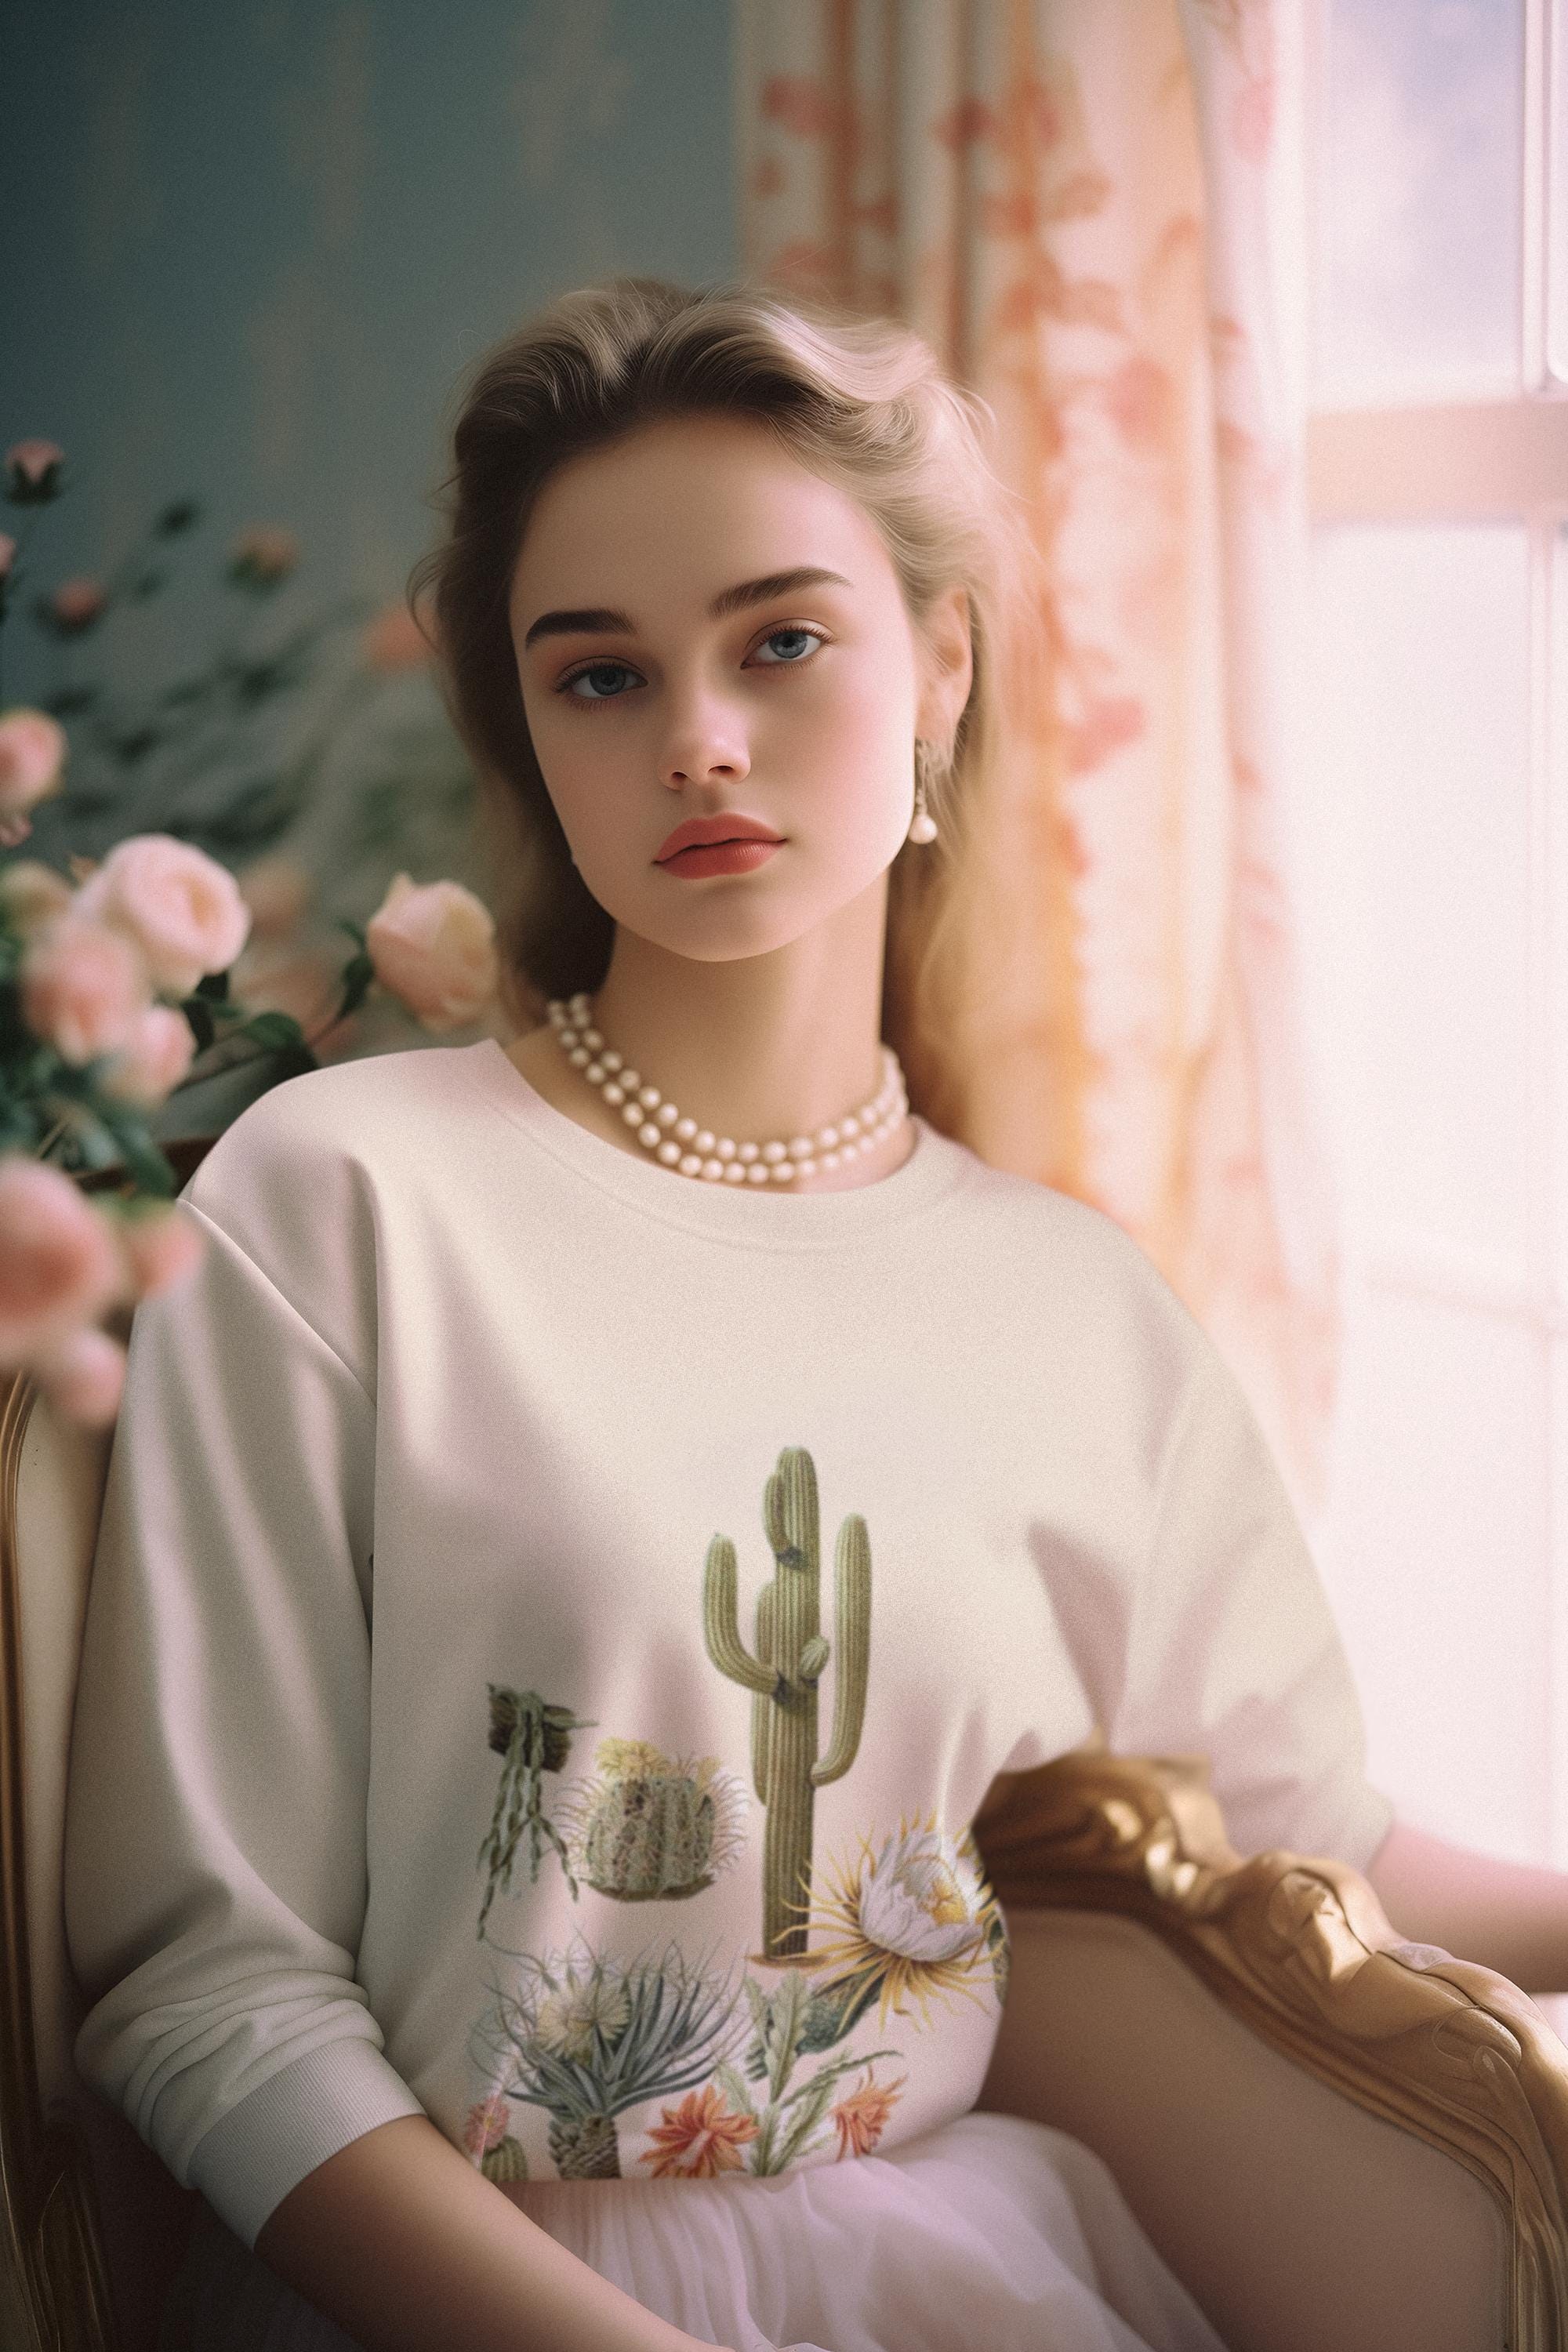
point(862, 2118)
point(699, 2138)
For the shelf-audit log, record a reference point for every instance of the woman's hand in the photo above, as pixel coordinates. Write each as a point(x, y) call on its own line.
point(1506, 1916)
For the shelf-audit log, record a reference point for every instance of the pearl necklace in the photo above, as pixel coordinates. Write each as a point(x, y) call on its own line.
point(662, 1129)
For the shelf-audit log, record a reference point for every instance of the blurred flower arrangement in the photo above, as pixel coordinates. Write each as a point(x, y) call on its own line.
point(146, 967)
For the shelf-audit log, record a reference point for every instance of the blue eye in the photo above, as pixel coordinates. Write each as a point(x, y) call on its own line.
point(597, 668)
point(810, 634)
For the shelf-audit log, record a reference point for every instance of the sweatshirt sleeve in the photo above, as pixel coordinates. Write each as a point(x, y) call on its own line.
point(214, 1867)
point(1233, 1653)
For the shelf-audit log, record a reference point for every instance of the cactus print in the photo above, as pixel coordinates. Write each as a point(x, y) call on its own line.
point(757, 2075)
point(790, 1657)
point(653, 1827)
point(533, 1736)
point(586, 2037)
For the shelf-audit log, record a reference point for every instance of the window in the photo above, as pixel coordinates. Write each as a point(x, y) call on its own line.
point(1428, 834)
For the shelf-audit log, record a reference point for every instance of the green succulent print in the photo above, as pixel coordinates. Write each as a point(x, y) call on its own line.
point(586, 2038)
point(534, 1736)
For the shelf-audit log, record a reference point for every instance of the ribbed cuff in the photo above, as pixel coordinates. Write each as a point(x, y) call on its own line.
point(271, 2139)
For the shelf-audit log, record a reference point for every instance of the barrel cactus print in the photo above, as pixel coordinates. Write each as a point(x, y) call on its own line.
point(647, 1826)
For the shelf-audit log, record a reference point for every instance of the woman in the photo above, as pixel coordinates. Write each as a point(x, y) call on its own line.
point(625, 1867)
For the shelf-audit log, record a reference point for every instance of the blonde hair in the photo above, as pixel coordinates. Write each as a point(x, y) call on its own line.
point(860, 402)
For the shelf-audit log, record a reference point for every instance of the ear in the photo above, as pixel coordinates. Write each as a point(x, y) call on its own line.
point(947, 667)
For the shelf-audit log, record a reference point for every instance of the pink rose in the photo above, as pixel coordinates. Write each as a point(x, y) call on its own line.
point(14, 830)
point(162, 1247)
point(60, 1264)
point(158, 1051)
point(394, 640)
point(32, 755)
point(182, 908)
point(263, 556)
point(8, 554)
point(434, 947)
point(32, 894)
point(76, 604)
point(83, 985)
point(278, 890)
point(84, 1378)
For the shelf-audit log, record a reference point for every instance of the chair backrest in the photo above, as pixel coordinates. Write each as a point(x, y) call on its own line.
point(100, 2221)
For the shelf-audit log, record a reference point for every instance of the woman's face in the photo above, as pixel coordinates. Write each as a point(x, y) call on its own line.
point(799, 707)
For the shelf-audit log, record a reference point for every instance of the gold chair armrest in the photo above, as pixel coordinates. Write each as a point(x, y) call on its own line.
point(1300, 1949)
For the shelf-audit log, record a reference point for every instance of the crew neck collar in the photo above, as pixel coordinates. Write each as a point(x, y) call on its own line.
point(735, 1212)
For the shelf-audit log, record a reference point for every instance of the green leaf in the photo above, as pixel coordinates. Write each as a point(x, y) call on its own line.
point(358, 974)
point(133, 1137)
point(812, 2108)
point(734, 2089)
point(762, 2159)
point(273, 1030)
point(786, 2022)
point(292, 1063)
point(202, 1027)
point(831, 2071)
point(213, 984)
point(151, 1171)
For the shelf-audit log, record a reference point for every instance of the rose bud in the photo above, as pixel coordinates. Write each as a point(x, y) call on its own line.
point(32, 756)
point(434, 947)
point(32, 469)
point(76, 604)
point(262, 557)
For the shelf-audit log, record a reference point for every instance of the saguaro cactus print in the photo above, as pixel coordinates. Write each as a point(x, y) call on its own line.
point(791, 1652)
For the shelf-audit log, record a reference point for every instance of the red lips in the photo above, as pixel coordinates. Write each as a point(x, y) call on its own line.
point(702, 831)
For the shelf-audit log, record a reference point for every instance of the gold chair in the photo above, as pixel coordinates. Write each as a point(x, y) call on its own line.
point(1334, 2137)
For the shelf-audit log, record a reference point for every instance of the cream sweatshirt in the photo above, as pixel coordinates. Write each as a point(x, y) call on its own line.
point(555, 1621)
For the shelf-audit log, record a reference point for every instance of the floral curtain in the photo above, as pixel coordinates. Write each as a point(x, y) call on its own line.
point(1087, 208)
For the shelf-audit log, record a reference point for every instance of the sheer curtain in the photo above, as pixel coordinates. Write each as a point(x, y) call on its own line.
point(1091, 209)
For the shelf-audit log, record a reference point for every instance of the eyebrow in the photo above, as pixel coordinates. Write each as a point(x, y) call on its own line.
point(602, 620)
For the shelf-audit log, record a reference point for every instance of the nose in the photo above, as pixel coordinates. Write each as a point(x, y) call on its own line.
point(704, 740)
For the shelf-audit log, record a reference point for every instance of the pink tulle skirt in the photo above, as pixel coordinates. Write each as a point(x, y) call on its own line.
point(989, 2230)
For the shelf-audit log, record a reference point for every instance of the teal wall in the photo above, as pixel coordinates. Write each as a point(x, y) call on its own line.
point(245, 251)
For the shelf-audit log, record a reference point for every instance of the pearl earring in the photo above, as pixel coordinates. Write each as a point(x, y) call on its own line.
point(923, 829)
